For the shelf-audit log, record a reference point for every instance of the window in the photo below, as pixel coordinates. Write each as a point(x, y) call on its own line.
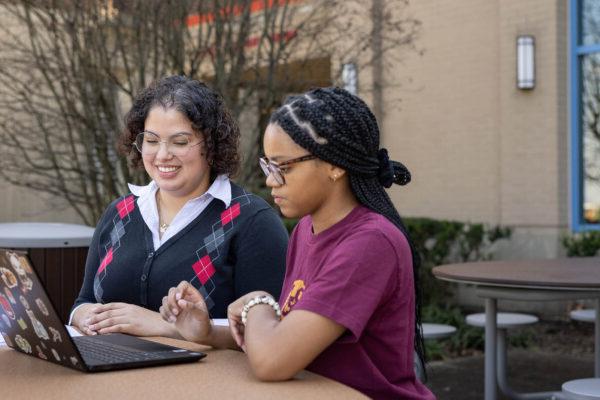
point(585, 114)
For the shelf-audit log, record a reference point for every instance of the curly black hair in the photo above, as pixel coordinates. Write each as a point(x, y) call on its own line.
point(203, 106)
point(339, 128)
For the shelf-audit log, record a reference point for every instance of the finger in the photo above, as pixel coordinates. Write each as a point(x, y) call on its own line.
point(237, 333)
point(165, 311)
point(119, 328)
point(106, 323)
point(101, 316)
point(172, 301)
point(187, 291)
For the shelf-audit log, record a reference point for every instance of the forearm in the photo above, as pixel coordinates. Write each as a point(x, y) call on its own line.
point(220, 338)
point(268, 356)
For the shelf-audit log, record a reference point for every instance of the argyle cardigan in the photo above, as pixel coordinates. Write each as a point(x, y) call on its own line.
point(224, 252)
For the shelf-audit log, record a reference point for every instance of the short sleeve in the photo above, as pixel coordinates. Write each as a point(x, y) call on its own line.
point(357, 277)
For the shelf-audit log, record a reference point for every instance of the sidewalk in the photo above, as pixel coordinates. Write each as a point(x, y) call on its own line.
point(528, 370)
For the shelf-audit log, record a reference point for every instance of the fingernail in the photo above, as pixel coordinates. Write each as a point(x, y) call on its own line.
point(175, 311)
point(178, 296)
point(172, 319)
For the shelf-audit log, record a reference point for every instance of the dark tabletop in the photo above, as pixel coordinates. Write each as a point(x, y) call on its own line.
point(572, 273)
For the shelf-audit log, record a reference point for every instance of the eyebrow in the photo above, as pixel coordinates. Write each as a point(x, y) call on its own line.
point(175, 134)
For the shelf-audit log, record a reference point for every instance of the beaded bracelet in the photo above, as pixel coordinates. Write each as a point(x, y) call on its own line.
point(260, 300)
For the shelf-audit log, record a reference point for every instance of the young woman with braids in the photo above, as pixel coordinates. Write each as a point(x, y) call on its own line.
point(349, 304)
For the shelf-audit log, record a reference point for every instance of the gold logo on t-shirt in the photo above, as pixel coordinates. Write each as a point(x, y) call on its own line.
point(294, 296)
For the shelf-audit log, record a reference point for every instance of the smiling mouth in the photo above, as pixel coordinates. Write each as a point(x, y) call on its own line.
point(167, 169)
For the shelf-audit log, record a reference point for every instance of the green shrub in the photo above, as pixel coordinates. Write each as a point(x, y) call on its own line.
point(441, 242)
point(586, 244)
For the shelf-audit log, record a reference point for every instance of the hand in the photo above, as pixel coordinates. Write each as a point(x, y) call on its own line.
point(82, 315)
point(184, 307)
point(234, 314)
point(125, 318)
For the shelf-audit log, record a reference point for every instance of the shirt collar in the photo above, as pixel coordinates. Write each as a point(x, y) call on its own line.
point(220, 189)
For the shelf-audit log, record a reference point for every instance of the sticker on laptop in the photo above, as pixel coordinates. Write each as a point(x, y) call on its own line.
point(40, 353)
point(42, 306)
point(74, 361)
point(22, 323)
point(6, 320)
point(39, 329)
point(7, 307)
point(7, 339)
point(9, 295)
point(23, 344)
point(24, 301)
point(55, 335)
point(55, 354)
point(8, 277)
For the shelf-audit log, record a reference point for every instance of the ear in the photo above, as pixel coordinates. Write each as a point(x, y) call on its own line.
point(336, 173)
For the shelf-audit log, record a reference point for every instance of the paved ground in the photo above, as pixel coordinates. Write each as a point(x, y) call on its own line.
point(529, 370)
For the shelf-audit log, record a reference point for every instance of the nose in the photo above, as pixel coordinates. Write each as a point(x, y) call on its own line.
point(271, 181)
point(163, 151)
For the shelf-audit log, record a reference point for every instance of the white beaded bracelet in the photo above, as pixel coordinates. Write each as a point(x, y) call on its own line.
point(260, 300)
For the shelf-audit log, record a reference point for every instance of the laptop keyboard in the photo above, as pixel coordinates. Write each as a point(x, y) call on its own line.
point(111, 353)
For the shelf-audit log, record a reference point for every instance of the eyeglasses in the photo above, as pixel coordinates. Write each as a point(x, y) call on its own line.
point(178, 145)
point(270, 167)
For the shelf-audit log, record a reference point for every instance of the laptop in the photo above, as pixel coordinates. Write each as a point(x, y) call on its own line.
point(30, 324)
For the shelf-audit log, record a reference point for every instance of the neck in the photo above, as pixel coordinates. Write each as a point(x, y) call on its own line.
point(337, 207)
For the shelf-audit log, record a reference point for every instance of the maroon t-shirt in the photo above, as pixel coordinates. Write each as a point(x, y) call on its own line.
point(359, 274)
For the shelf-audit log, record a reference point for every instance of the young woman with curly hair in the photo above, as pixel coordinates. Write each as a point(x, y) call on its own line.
point(189, 223)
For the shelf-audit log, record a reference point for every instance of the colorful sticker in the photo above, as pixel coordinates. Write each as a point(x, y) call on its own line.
point(10, 296)
point(22, 323)
point(42, 306)
point(40, 353)
point(24, 301)
point(8, 277)
point(25, 264)
point(7, 339)
point(55, 335)
point(55, 354)
point(6, 306)
point(74, 361)
point(23, 344)
point(6, 320)
point(39, 329)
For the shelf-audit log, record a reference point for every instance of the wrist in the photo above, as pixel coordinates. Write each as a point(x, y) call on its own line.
point(267, 300)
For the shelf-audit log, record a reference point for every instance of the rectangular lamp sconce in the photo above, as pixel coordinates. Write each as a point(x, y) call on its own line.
point(350, 77)
point(525, 62)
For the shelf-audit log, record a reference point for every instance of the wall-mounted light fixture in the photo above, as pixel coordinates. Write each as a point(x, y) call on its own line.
point(525, 62)
point(350, 77)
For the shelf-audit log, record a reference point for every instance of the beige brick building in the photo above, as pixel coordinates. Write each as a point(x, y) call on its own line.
point(479, 148)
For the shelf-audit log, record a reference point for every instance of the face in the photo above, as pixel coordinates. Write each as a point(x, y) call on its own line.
point(180, 176)
point(307, 184)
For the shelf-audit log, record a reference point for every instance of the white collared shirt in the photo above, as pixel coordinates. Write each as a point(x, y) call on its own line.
point(220, 189)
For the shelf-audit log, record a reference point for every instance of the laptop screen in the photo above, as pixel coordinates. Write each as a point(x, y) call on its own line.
point(28, 320)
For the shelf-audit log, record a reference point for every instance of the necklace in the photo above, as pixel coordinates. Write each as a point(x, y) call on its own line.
point(162, 226)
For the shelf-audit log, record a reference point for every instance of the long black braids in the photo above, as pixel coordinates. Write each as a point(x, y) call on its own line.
point(339, 128)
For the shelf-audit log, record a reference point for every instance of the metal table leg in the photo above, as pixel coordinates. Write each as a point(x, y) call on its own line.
point(490, 348)
point(597, 341)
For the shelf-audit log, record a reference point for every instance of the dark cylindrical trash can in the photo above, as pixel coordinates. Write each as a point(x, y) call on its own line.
point(58, 253)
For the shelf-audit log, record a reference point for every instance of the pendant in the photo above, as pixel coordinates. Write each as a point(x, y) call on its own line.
point(163, 228)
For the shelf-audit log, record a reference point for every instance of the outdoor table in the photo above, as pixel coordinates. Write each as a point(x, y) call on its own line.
point(223, 374)
point(58, 253)
point(528, 280)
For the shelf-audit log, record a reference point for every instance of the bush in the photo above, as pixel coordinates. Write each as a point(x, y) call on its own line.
point(586, 244)
point(442, 242)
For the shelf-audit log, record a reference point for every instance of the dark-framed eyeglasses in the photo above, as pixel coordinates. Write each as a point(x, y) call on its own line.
point(179, 145)
point(270, 167)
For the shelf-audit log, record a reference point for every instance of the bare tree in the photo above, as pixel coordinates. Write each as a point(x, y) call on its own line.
point(70, 68)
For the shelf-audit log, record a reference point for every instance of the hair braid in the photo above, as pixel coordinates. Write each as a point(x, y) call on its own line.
point(339, 128)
